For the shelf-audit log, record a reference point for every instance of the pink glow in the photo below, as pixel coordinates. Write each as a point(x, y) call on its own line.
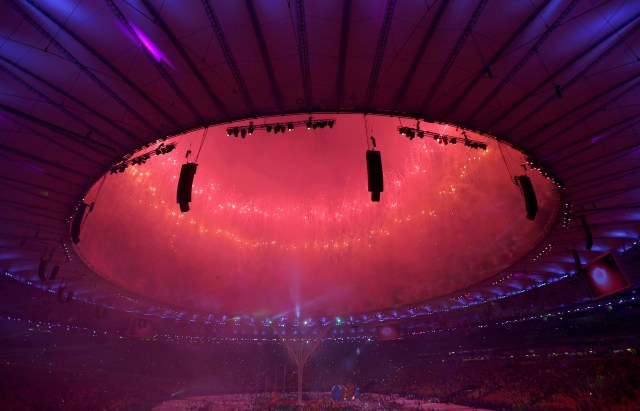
point(279, 221)
point(150, 45)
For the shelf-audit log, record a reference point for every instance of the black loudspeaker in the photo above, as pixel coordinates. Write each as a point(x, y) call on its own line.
point(374, 174)
point(77, 222)
point(576, 261)
point(530, 200)
point(42, 267)
point(54, 272)
point(184, 185)
point(587, 232)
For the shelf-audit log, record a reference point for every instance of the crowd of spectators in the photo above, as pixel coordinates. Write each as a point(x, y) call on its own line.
point(312, 401)
point(560, 381)
point(563, 381)
point(27, 389)
point(48, 370)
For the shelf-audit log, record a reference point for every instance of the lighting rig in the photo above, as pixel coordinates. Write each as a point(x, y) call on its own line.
point(142, 158)
point(533, 164)
point(310, 123)
point(542, 252)
point(566, 217)
point(412, 133)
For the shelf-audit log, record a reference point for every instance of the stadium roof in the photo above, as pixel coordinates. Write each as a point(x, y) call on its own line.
point(88, 85)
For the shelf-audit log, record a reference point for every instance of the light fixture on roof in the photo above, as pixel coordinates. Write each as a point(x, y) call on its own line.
point(142, 158)
point(310, 123)
point(566, 219)
point(444, 139)
point(533, 164)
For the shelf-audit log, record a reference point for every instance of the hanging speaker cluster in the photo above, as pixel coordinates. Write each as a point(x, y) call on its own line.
point(576, 260)
point(530, 201)
point(42, 270)
point(587, 232)
point(185, 184)
point(374, 174)
point(77, 223)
